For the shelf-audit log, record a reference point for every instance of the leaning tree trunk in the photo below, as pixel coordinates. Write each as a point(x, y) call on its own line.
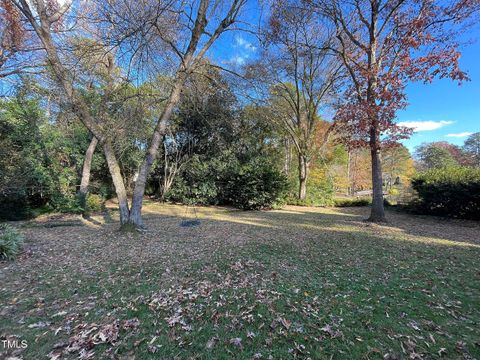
point(302, 176)
point(139, 190)
point(378, 212)
point(85, 182)
point(118, 183)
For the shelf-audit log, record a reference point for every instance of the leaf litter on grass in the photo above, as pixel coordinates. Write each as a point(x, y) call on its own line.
point(309, 283)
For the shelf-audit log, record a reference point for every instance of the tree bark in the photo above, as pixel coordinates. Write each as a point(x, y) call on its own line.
point(180, 78)
point(169, 172)
point(286, 166)
point(349, 181)
point(139, 190)
point(87, 165)
point(302, 176)
point(118, 183)
point(378, 211)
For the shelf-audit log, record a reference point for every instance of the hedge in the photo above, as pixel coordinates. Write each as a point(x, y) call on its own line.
point(451, 191)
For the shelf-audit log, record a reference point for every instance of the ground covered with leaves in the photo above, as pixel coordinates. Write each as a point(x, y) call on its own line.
point(294, 283)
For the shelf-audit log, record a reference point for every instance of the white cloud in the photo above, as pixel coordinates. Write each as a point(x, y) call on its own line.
point(237, 60)
point(462, 134)
point(241, 42)
point(425, 125)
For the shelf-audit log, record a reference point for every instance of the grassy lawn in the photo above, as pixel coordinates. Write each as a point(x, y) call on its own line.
point(295, 283)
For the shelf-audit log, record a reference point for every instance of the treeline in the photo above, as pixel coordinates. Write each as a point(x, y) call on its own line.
point(216, 152)
point(442, 154)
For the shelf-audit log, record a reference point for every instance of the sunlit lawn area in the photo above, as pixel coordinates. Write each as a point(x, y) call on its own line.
point(295, 283)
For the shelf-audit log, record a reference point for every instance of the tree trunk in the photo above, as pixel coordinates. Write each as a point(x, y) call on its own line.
point(286, 166)
point(139, 190)
point(302, 177)
point(354, 172)
point(169, 172)
point(349, 182)
point(378, 212)
point(118, 183)
point(169, 176)
point(87, 165)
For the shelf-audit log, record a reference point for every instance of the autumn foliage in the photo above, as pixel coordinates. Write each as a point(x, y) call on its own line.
point(12, 32)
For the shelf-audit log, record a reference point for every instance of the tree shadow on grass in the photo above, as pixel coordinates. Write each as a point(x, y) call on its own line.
point(300, 221)
point(425, 228)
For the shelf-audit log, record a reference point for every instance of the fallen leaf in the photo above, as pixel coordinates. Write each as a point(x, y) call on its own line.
point(286, 323)
point(211, 343)
point(442, 352)
point(60, 313)
point(39, 325)
point(236, 342)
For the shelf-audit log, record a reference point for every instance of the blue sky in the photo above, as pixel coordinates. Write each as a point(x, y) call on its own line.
point(440, 111)
point(444, 110)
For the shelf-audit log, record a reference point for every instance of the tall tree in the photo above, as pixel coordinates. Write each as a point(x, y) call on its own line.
point(384, 44)
point(19, 50)
point(456, 151)
point(97, 67)
point(303, 75)
point(430, 156)
point(202, 124)
point(398, 166)
point(359, 170)
point(472, 149)
point(44, 18)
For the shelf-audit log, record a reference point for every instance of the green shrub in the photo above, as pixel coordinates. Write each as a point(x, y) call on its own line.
point(320, 188)
point(66, 204)
point(347, 202)
point(254, 185)
point(94, 203)
point(451, 191)
point(310, 201)
point(198, 184)
point(14, 207)
point(105, 190)
point(10, 242)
